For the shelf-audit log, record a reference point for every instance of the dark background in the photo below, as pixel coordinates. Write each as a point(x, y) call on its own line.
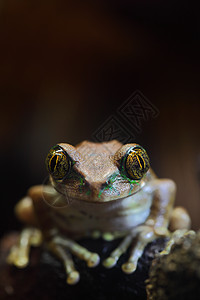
point(65, 67)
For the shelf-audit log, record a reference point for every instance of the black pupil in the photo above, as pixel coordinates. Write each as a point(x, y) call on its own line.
point(53, 164)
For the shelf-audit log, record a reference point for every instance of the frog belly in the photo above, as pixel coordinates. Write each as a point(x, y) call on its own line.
point(81, 217)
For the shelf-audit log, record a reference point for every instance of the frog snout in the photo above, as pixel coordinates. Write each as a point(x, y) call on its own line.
point(96, 189)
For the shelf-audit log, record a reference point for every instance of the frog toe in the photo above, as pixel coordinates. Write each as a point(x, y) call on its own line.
point(93, 260)
point(175, 237)
point(109, 262)
point(21, 262)
point(19, 253)
point(17, 259)
point(137, 248)
point(129, 267)
point(63, 247)
point(73, 277)
point(137, 241)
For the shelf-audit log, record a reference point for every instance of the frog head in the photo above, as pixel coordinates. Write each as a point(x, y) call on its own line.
point(97, 172)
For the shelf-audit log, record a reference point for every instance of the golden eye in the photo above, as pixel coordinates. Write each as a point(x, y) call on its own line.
point(58, 163)
point(136, 162)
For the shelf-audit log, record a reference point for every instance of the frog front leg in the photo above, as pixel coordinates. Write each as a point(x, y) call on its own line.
point(60, 246)
point(28, 237)
point(163, 195)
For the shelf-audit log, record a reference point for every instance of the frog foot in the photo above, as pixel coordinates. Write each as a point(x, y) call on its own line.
point(63, 248)
point(137, 241)
point(176, 237)
point(19, 253)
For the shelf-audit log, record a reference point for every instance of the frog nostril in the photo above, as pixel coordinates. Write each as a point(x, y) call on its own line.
point(95, 188)
point(106, 185)
point(83, 185)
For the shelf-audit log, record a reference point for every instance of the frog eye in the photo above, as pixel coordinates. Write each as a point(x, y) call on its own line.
point(135, 162)
point(58, 163)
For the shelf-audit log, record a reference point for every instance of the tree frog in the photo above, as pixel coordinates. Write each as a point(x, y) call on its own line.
point(96, 189)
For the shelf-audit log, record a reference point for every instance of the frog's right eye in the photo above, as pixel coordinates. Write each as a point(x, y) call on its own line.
point(58, 163)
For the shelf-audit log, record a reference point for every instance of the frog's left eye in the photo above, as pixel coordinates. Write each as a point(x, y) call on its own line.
point(135, 162)
point(58, 163)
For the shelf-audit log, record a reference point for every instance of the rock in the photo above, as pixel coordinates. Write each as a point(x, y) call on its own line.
point(44, 278)
point(177, 275)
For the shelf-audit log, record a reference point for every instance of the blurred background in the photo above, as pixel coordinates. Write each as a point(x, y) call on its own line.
point(67, 66)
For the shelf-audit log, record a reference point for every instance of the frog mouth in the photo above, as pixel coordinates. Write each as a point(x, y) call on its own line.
point(57, 198)
point(88, 194)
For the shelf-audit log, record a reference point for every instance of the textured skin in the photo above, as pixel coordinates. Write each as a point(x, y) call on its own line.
point(95, 199)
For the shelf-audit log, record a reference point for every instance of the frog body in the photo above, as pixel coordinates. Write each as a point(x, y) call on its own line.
point(120, 215)
point(105, 188)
